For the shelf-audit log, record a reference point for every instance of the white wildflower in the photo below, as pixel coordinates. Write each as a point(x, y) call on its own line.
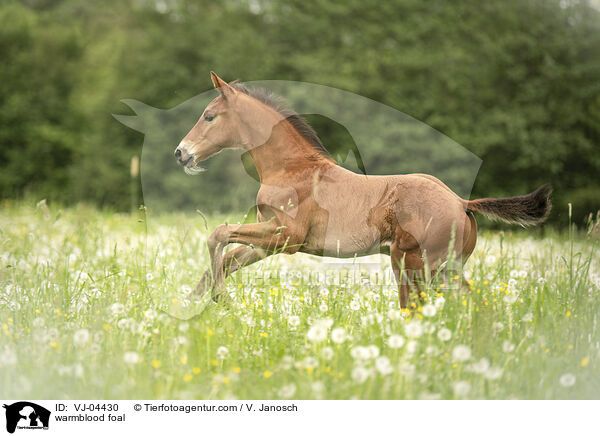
point(81, 337)
point(413, 329)
point(222, 353)
point(395, 341)
point(493, 373)
point(360, 374)
point(338, 335)
point(327, 353)
point(131, 357)
point(461, 388)
point(429, 310)
point(383, 366)
point(444, 334)
point(117, 309)
point(567, 380)
point(461, 353)
point(354, 305)
point(287, 391)
point(508, 347)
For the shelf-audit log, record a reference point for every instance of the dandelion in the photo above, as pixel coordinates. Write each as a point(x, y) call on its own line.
point(359, 353)
point(317, 333)
point(461, 353)
point(528, 317)
point(267, 374)
point(567, 380)
point(373, 351)
point(8, 357)
point(480, 366)
point(383, 366)
point(429, 310)
point(490, 258)
point(585, 362)
point(318, 387)
point(81, 337)
point(327, 353)
point(150, 314)
point(413, 329)
point(117, 309)
point(497, 327)
point(541, 281)
point(287, 391)
point(131, 357)
point(294, 321)
point(493, 373)
point(354, 305)
point(411, 347)
point(155, 364)
point(395, 341)
point(323, 307)
point(508, 347)
point(39, 322)
point(461, 388)
point(510, 299)
point(222, 353)
point(444, 334)
point(338, 335)
point(407, 369)
point(310, 362)
point(187, 377)
point(514, 274)
point(360, 374)
point(522, 274)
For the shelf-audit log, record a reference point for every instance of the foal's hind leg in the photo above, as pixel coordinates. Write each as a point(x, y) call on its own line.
point(407, 263)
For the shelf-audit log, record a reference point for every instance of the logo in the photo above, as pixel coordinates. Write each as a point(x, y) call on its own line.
point(26, 415)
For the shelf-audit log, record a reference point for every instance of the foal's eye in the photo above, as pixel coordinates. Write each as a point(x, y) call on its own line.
point(209, 117)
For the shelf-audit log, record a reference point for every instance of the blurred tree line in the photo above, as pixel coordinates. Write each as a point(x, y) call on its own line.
point(515, 82)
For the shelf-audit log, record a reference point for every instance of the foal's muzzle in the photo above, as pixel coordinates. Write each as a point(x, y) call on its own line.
point(182, 156)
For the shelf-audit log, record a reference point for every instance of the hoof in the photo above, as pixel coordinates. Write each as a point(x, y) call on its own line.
point(204, 285)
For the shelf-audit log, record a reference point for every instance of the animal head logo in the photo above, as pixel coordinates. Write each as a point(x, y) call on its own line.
point(359, 134)
point(26, 415)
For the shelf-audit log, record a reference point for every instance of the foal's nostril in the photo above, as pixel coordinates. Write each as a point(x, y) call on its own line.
point(178, 154)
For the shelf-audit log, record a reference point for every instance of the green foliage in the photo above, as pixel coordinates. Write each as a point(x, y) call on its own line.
point(515, 82)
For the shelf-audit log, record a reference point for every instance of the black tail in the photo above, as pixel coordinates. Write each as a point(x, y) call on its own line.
point(530, 209)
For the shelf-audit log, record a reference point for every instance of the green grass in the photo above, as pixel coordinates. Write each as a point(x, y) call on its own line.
point(91, 306)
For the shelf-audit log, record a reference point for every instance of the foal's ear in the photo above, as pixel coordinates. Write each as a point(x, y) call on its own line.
point(222, 86)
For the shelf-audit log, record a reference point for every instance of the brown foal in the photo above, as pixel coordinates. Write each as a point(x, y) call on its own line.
point(308, 203)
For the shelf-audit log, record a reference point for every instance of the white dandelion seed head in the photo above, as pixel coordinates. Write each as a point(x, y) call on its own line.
point(444, 334)
point(493, 373)
point(294, 320)
point(117, 309)
point(131, 357)
point(522, 274)
point(411, 347)
point(510, 299)
point(318, 386)
point(461, 353)
point(514, 274)
point(323, 307)
point(287, 391)
point(527, 317)
point(414, 329)
point(360, 374)
point(359, 353)
point(461, 388)
point(222, 353)
point(338, 335)
point(429, 310)
point(439, 302)
point(383, 365)
point(395, 341)
point(508, 347)
point(567, 380)
point(407, 369)
point(81, 337)
point(327, 353)
point(497, 326)
point(480, 366)
point(373, 351)
point(354, 305)
point(317, 333)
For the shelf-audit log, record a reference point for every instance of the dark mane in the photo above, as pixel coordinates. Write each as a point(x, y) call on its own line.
point(280, 105)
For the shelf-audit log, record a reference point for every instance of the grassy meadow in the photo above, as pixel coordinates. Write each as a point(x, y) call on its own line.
point(96, 305)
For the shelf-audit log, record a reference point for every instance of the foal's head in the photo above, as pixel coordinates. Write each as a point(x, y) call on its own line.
point(232, 120)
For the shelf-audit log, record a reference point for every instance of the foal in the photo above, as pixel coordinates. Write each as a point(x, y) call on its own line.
point(308, 203)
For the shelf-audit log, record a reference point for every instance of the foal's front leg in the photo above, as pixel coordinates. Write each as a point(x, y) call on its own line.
point(264, 238)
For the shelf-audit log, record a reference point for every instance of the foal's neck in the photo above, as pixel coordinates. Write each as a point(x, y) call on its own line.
point(285, 154)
